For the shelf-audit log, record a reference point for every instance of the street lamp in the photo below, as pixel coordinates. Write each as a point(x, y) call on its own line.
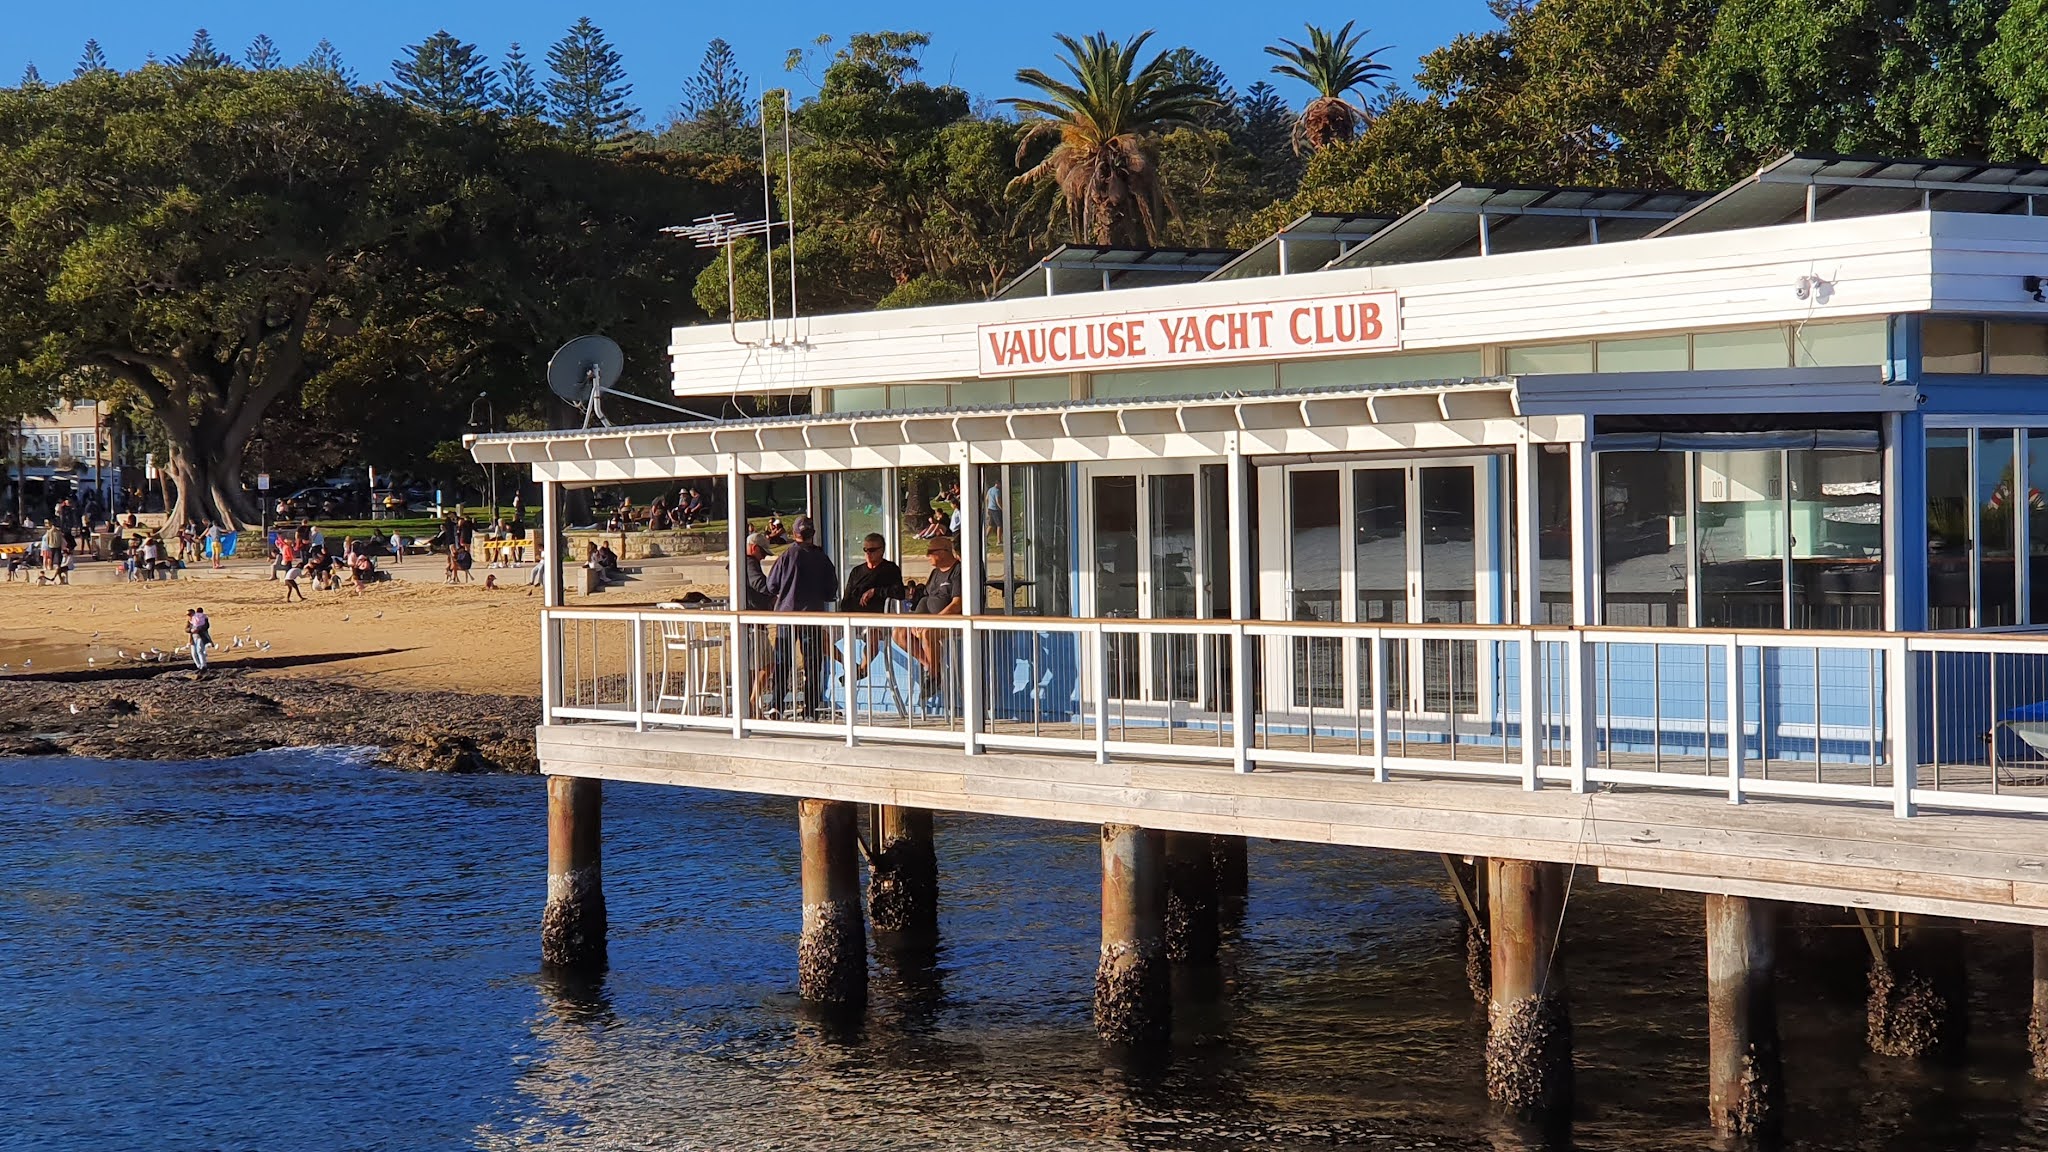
point(489, 425)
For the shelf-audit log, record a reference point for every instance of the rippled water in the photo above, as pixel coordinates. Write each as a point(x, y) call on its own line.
point(296, 951)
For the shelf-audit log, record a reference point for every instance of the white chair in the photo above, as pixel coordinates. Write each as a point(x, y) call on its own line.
point(700, 651)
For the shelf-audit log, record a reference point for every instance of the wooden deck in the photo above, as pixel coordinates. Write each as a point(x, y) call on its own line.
point(1975, 866)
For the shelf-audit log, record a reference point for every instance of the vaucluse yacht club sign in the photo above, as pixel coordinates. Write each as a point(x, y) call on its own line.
point(1315, 326)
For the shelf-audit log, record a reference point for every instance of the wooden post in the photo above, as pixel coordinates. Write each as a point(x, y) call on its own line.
point(832, 953)
point(903, 877)
point(1918, 1000)
point(1133, 992)
point(572, 926)
point(1744, 1073)
point(1192, 925)
point(1233, 881)
point(2037, 1023)
point(1529, 1027)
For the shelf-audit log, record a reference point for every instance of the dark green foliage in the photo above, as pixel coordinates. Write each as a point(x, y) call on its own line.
point(202, 55)
point(443, 75)
point(326, 61)
point(589, 89)
point(262, 55)
point(92, 60)
point(717, 113)
point(518, 93)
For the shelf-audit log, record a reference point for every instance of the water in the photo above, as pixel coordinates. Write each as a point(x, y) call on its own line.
point(294, 950)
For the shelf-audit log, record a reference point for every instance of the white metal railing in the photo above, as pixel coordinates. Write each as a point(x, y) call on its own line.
point(1953, 720)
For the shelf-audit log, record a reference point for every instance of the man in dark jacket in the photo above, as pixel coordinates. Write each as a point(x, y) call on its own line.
point(870, 586)
point(803, 580)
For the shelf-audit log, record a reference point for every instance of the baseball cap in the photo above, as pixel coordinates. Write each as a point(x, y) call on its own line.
point(758, 540)
point(803, 529)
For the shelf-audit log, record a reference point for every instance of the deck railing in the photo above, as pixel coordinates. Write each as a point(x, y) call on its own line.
point(1956, 721)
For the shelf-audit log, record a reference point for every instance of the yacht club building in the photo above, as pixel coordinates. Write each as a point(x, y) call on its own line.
point(1685, 496)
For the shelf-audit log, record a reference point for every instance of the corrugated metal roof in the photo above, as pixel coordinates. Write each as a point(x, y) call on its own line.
point(1304, 245)
point(1478, 219)
point(1097, 268)
point(1822, 186)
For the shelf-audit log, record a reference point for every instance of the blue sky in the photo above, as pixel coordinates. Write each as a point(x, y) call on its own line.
point(977, 45)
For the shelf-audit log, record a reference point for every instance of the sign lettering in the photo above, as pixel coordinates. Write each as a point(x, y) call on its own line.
point(1319, 326)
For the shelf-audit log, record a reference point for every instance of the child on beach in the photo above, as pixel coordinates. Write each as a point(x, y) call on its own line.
point(201, 630)
point(291, 583)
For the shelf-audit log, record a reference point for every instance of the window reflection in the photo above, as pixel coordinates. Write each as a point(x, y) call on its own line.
point(1643, 538)
point(1837, 539)
point(1741, 539)
point(1948, 528)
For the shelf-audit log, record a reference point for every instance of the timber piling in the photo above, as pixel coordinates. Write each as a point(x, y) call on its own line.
point(903, 875)
point(1745, 1081)
point(572, 925)
point(1529, 1025)
point(1133, 989)
point(1918, 1002)
point(832, 954)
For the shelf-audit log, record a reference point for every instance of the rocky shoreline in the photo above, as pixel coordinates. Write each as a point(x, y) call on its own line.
point(179, 714)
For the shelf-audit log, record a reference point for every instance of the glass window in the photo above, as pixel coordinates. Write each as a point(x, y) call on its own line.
point(1997, 582)
point(906, 396)
point(1186, 381)
point(1948, 528)
point(1841, 345)
point(1837, 539)
point(1315, 571)
point(1743, 348)
point(2017, 349)
point(1379, 544)
point(1643, 538)
point(858, 399)
point(1741, 539)
point(980, 392)
point(1654, 354)
point(2037, 526)
point(1538, 359)
point(1951, 345)
point(1554, 535)
point(1042, 390)
point(1390, 369)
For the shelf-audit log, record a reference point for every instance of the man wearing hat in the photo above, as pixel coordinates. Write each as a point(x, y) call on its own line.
point(804, 579)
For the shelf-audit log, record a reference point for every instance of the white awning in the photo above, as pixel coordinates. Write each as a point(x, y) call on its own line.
point(1443, 416)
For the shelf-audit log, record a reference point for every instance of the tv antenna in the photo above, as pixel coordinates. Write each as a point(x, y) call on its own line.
point(723, 230)
point(583, 372)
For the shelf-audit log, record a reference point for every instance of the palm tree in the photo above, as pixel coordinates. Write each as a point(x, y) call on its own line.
point(1105, 166)
point(1333, 66)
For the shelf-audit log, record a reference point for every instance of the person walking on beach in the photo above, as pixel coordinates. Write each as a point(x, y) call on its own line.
point(291, 583)
point(201, 630)
point(213, 543)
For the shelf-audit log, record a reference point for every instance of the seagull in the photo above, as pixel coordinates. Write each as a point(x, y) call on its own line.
point(89, 661)
point(379, 616)
point(28, 663)
point(265, 646)
point(95, 635)
point(74, 709)
point(344, 619)
point(121, 653)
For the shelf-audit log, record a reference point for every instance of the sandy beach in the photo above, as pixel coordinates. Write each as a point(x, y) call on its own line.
point(412, 633)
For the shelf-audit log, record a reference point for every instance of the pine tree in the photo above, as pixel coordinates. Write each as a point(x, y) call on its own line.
point(94, 60)
point(1191, 67)
point(519, 93)
point(718, 116)
point(1266, 131)
point(262, 55)
point(326, 61)
point(589, 90)
point(32, 80)
point(443, 75)
point(202, 55)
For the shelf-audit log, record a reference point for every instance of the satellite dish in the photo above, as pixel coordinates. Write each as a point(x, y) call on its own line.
point(583, 371)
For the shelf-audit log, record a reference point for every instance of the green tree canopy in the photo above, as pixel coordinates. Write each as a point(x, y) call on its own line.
point(589, 89)
point(518, 93)
point(252, 239)
point(443, 75)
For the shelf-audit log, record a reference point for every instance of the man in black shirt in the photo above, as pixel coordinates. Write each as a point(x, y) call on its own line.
point(802, 581)
point(869, 588)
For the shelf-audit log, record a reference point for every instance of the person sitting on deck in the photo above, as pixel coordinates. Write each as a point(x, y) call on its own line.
point(942, 597)
point(870, 586)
